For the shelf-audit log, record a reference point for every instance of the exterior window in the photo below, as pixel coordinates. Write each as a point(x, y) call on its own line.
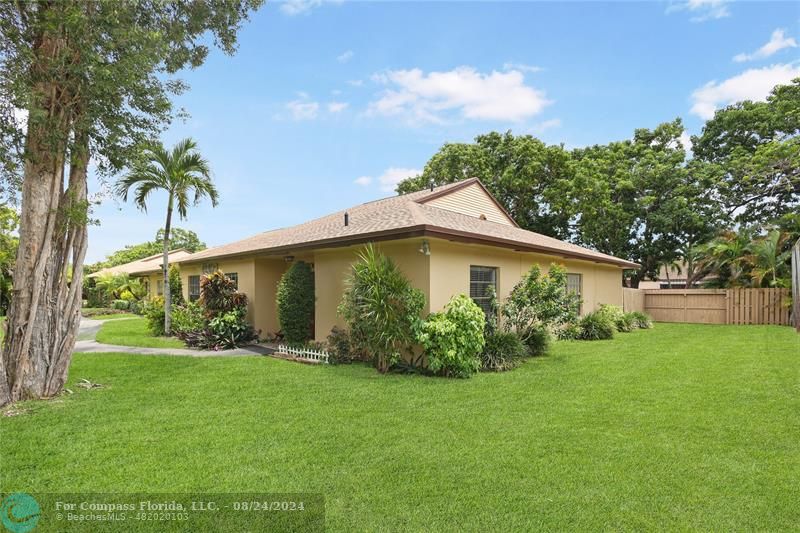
point(160, 287)
point(210, 268)
point(574, 283)
point(234, 277)
point(480, 279)
point(194, 288)
point(146, 285)
point(575, 286)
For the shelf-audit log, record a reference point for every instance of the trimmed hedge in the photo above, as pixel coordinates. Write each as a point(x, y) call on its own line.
point(296, 303)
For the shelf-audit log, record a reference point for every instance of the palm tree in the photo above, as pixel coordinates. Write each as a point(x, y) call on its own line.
point(182, 173)
point(769, 259)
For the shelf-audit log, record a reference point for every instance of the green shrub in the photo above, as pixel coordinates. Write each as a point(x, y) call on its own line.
point(338, 346)
point(218, 295)
point(187, 318)
point(153, 311)
point(613, 312)
point(537, 340)
point(596, 326)
point(568, 332)
point(295, 302)
point(381, 308)
point(135, 307)
point(453, 339)
point(120, 304)
point(625, 323)
point(100, 311)
point(642, 320)
point(224, 331)
point(502, 351)
point(175, 285)
point(540, 300)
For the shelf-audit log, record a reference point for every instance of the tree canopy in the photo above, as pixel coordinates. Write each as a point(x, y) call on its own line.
point(179, 238)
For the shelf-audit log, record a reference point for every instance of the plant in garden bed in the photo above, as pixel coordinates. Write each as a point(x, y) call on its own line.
point(596, 326)
point(381, 308)
point(502, 351)
point(642, 320)
point(153, 311)
point(295, 301)
point(537, 304)
point(453, 339)
point(218, 322)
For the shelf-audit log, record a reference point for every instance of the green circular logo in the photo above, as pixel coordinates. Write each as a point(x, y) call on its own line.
point(20, 512)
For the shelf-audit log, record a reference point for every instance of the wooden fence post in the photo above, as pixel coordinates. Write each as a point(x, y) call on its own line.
point(796, 285)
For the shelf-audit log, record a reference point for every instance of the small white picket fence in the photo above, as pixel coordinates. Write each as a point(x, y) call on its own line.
point(318, 356)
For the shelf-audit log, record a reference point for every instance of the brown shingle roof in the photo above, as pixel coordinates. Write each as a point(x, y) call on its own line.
point(143, 266)
point(398, 217)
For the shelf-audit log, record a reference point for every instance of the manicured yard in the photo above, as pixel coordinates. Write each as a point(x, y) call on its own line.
point(133, 332)
point(114, 316)
point(680, 427)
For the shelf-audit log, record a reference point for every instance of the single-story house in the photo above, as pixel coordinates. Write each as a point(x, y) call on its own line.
point(447, 240)
point(148, 270)
point(674, 277)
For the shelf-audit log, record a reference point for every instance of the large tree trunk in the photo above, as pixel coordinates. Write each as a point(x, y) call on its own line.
point(167, 292)
point(45, 309)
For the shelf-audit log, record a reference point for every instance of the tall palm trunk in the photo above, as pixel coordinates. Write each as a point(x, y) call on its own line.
point(165, 267)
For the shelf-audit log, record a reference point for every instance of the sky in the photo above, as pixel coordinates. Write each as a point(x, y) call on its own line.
point(328, 104)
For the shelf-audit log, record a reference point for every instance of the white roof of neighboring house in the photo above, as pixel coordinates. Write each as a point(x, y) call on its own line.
point(148, 265)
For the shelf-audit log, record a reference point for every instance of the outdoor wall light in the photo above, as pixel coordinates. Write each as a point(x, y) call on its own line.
point(288, 258)
point(425, 248)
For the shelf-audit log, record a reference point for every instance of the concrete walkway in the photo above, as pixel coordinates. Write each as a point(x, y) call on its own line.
point(87, 344)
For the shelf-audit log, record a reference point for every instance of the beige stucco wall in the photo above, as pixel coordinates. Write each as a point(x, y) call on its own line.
point(245, 268)
point(332, 266)
point(450, 262)
point(441, 275)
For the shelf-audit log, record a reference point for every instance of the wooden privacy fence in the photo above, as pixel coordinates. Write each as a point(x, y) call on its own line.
point(713, 306)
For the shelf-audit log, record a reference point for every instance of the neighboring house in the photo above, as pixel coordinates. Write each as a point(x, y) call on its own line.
point(147, 269)
point(448, 240)
point(673, 278)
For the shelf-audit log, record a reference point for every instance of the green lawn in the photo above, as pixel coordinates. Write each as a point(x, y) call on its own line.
point(114, 316)
point(133, 332)
point(681, 427)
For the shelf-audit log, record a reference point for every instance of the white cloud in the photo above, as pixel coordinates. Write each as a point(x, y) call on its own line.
point(390, 178)
point(344, 57)
point(753, 84)
point(522, 67)
point(778, 41)
point(302, 109)
point(702, 10)
point(356, 83)
point(301, 7)
point(337, 107)
point(546, 125)
point(422, 97)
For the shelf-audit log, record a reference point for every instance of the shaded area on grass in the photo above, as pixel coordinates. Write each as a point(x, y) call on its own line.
point(680, 427)
point(133, 332)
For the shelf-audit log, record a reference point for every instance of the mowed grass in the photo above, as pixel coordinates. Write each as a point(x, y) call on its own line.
point(680, 427)
point(134, 332)
point(114, 316)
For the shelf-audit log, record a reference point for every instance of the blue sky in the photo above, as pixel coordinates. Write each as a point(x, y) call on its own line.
point(328, 104)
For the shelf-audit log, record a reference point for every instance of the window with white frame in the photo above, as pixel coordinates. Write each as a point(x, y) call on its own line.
point(480, 279)
point(575, 286)
point(160, 287)
point(234, 277)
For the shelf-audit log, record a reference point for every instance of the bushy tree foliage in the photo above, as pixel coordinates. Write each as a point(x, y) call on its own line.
point(381, 308)
point(754, 149)
point(453, 339)
point(9, 220)
point(179, 238)
point(95, 79)
point(538, 301)
point(295, 302)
